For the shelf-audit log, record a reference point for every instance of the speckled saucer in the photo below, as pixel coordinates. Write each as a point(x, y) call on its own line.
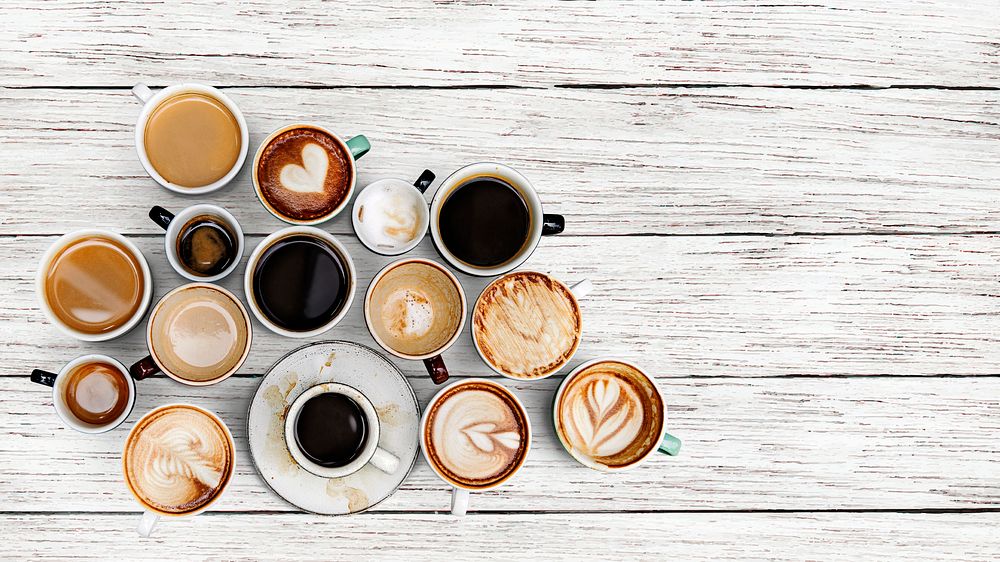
point(348, 363)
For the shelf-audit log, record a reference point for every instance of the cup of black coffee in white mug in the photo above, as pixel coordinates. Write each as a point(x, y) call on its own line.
point(487, 219)
point(203, 242)
point(92, 393)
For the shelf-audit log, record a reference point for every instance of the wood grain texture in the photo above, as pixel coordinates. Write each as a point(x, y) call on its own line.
point(415, 42)
point(749, 444)
point(639, 161)
point(638, 536)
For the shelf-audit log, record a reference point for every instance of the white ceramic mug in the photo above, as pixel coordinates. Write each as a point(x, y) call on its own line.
point(173, 223)
point(151, 100)
point(415, 191)
point(58, 383)
point(371, 453)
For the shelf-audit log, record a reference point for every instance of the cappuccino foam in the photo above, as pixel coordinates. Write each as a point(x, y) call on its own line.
point(391, 215)
point(304, 173)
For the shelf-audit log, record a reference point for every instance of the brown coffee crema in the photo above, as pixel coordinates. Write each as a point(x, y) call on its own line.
point(476, 435)
point(177, 459)
point(304, 173)
point(610, 413)
point(527, 325)
point(96, 393)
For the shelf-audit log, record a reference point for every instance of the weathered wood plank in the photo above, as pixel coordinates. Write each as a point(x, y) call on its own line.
point(414, 42)
point(669, 161)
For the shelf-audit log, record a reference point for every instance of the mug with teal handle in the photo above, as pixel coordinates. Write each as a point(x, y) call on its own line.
point(590, 416)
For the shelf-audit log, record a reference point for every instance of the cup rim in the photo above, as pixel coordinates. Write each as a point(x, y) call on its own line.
point(326, 216)
point(61, 243)
point(403, 261)
point(475, 335)
point(225, 485)
point(58, 400)
point(586, 461)
point(510, 176)
point(266, 243)
point(423, 432)
point(246, 319)
point(425, 218)
point(172, 232)
point(154, 102)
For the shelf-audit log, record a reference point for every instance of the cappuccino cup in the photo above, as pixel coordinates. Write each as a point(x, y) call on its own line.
point(390, 215)
point(203, 242)
point(91, 394)
point(191, 138)
point(332, 430)
point(611, 417)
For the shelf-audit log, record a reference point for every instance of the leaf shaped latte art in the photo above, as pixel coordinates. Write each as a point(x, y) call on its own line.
point(485, 437)
point(605, 418)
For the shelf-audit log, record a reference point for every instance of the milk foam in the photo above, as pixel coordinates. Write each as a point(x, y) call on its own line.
point(310, 177)
point(391, 215)
point(411, 312)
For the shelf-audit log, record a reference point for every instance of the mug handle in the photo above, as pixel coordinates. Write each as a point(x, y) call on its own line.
point(385, 461)
point(143, 368)
point(142, 93)
point(436, 369)
point(552, 224)
point(424, 181)
point(459, 501)
point(161, 216)
point(147, 523)
point(43, 377)
point(670, 445)
point(359, 146)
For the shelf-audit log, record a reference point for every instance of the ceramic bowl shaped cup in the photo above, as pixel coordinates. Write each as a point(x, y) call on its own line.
point(390, 216)
point(151, 101)
point(60, 381)
point(370, 452)
point(178, 225)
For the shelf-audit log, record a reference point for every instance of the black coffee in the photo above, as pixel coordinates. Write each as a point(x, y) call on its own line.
point(300, 283)
point(206, 246)
point(484, 222)
point(331, 429)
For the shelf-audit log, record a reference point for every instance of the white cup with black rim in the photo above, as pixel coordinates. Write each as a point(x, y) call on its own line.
point(202, 243)
point(91, 394)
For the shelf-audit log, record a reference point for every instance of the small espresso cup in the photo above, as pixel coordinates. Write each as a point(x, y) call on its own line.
point(70, 387)
point(390, 215)
point(151, 101)
point(370, 452)
point(415, 309)
point(484, 215)
point(610, 416)
point(221, 241)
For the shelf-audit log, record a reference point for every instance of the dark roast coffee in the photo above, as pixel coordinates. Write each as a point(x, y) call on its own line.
point(331, 430)
point(484, 222)
point(300, 283)
point(206, 246)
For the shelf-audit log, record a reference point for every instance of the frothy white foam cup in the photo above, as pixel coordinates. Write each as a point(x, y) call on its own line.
point(390, 216)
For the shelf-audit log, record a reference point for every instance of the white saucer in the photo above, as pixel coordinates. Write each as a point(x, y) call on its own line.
point(348, 363)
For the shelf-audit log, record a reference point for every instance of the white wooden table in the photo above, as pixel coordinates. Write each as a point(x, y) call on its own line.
point(790, 211)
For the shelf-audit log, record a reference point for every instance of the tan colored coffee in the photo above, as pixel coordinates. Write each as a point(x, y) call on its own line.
point(199, 333)
point(96, 392)
point(192, 139)
point(527, 325)
point(177, 459)
point(611, 414)
point(476, 435)
point(415, 309)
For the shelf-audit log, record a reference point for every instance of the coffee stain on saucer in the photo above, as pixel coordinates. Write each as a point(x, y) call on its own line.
point(389, 415)
point(276, 398)
point(356, 499)
point(328, 364)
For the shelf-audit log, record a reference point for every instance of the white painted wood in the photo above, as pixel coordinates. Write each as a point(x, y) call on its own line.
point(412, 42)
point(648, 160)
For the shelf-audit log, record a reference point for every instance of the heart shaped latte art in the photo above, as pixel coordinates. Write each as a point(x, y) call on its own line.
point(311, 175)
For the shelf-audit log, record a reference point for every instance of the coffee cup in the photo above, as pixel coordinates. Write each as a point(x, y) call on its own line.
point(415, 309)
point(91, 394)
point(475, 436)
point(191, 138)
point(304, 174)
point(177, 461)
point(93, 284)
point(300, 281)
point(610, 416)
point(202, 243)
point(390, 215)
point(197, 334)
point(332, 430)
point(486, 219)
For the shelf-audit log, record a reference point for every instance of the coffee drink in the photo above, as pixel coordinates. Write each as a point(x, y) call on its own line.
point(178, 459)
point(415, 308)
point(526, 325)
point(484, 222)
point(331, 429)
point(475, 434)
point(609, 414)
point(390, 215)
point(304, 173)
point(95, 285)
point(206, 245)
point(192, 139)
point(96, 392)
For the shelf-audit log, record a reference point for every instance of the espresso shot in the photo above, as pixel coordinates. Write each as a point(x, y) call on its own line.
point(206, 246)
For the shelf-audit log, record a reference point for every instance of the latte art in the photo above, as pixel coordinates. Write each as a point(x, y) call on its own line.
point(303, 173)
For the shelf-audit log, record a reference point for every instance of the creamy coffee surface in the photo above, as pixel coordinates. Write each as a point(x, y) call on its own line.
point(476, 435)
point(304, 173)
point(391, 215)
point(611, 414)
point(527, 325)
point(177, 459)
point(415, 308)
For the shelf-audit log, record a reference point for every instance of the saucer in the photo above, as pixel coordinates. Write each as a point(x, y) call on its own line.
point(343, 362)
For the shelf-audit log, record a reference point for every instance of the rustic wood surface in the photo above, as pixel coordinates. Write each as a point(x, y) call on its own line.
point(790, 212)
